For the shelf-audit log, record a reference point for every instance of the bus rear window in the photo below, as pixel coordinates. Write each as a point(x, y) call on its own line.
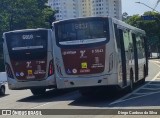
point(82, 30)
point(27, 40)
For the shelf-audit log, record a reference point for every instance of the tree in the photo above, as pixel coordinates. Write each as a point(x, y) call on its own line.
point(125, 16)
point(151, 27)
point(22, 14)
point(134, 20)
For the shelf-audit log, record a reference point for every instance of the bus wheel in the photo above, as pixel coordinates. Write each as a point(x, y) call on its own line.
point(38, 91)
point(2, 90)
point(131, 81)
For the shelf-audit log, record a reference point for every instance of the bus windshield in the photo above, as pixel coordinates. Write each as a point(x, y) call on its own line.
point(28, 40)
point(82, 30)
point(32, 43)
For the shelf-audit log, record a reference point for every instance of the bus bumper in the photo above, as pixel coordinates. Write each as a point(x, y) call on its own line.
point(71, 82)
point(18, 85)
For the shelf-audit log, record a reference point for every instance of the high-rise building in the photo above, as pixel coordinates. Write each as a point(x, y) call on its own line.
point(81, 8)
point(85, 8)
point(65, 8)
point(111, 8)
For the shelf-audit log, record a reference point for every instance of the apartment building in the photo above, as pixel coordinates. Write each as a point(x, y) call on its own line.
point(111, 8)
point(82, 8)
point(65, 8)
point(85, 8)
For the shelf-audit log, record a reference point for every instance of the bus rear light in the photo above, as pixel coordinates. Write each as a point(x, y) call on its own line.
point(51, 68)
point(9, 71)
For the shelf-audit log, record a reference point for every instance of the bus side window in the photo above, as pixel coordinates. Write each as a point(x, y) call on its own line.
point(123, 42)
point(140, 47)
point(118, 42)
point(127, 44)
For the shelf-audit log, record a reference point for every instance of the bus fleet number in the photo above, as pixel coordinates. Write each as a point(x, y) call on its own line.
point(81, 26)
point(27, 36)
point(97, 51)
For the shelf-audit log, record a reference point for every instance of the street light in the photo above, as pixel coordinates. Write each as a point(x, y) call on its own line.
point(148, 6)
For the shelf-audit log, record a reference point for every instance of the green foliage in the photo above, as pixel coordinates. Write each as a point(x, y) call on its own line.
point(152, 27)
point(22, 14)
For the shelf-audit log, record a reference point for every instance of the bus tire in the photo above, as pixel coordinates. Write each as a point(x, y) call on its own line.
point(131, 86)
point(38, 91)
point(2, 90)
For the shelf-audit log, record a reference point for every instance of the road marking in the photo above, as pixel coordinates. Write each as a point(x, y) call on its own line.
point(140, 93)
point(40, 106)
point(67, 96)
point(154, 84)
point(122, 99)
point(134, 97)
point(52, 103)
point(152, 89)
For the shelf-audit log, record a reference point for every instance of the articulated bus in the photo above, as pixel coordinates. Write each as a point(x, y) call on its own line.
point(98, 51)
point(28, 56)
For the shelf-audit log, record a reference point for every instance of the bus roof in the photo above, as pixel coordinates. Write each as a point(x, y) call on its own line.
point(125, 25)
point(119, 22)
point(79, 18)
point(25, 30)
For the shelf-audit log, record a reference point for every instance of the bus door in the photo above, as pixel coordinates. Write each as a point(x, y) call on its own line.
point(121, 57)
point(139, 56)
point(125, 47)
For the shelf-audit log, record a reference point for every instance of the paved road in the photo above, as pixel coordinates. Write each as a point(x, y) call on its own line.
point(146, 96)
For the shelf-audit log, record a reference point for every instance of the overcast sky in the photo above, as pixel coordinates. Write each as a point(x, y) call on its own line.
point(131, 7)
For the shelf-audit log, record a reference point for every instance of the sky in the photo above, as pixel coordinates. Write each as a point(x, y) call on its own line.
point(132, 8)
